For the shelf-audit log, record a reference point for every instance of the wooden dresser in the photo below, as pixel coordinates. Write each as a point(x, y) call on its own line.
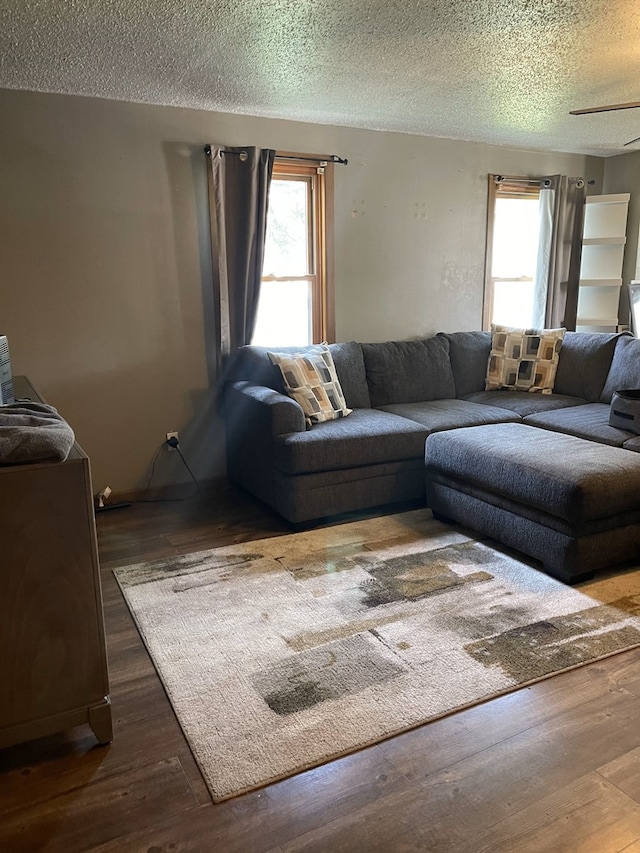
point(53, 661)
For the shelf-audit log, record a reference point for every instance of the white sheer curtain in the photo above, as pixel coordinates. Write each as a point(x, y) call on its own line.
point(545, 238)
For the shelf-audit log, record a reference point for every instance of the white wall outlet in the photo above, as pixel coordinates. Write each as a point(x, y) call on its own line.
point(171, 435)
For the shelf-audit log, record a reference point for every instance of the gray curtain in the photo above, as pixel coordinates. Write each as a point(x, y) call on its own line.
point(559, 252)
point(239, 180)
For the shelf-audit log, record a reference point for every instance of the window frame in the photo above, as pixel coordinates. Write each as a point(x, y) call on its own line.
point(319, 176)
point(513, 186)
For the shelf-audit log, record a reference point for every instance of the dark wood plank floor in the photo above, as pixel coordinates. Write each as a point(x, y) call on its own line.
point(553, 767)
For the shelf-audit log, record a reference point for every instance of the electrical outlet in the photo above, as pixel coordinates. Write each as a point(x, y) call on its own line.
point(171, 435)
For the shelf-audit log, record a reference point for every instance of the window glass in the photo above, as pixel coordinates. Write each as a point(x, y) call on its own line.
point(294, 305)
point(513, 268)
point(515, 237)
point(284, 314)
point(287, 246)
point(512, 253)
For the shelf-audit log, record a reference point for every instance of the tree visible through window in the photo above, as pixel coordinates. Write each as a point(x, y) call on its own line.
point(295, 304)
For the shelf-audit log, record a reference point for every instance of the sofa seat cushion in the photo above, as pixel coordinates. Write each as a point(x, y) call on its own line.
point(632, 444)
point(560, 475)
point(522, 402)
point(408, 371)
point(437, 415)
point(366, 437)
point(590, 421)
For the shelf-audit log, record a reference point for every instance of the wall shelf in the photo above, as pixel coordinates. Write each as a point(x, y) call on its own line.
point(611, 198)
point(603, 241)
point(600, 282)
point(597, 321)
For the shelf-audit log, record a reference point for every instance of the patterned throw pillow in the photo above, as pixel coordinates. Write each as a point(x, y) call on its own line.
point(310, 378)
point(523, 359)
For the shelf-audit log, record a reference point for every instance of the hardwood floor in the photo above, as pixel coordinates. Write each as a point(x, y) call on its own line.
point(553, 767)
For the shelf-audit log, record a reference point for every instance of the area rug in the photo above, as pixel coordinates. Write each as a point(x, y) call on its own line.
point(284, 653)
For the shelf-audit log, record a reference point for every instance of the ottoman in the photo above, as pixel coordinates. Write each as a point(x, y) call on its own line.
point(571, 503)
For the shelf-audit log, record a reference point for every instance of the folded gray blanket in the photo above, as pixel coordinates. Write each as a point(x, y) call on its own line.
point(31, 432)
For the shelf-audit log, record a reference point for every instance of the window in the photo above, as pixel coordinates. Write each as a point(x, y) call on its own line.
point(513, 228)
point(296, 296)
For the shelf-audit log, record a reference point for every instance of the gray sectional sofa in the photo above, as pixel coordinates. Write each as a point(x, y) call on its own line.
point(401, 392)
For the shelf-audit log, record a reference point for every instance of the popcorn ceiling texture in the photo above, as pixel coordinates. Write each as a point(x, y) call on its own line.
point(497, 71)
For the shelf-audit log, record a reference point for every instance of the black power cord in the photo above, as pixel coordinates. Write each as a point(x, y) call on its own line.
point(173, 443)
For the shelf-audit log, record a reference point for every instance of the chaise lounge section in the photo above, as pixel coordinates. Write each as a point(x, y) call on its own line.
point(571, 503)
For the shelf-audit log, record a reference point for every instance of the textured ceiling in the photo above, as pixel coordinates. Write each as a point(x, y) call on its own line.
point(499, 71)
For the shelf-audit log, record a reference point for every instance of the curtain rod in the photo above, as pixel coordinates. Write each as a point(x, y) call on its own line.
point(536, 182)
point(499, 179)
point(331, 158)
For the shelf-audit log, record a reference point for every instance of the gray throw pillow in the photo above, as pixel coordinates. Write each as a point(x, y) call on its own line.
point(469, 354)
point(584, 362)
point(625, 368)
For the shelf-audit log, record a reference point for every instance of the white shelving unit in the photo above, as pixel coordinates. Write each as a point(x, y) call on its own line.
point(603, 242)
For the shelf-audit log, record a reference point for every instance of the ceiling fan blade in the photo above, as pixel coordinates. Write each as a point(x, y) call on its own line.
point(631, 105)
point(631, 141)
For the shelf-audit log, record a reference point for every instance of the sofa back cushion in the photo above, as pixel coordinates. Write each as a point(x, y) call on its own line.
point(252, 364)
point(349, 363)
point(408, 371)
point(585, 359)
point(469, 354)
point(625, 368)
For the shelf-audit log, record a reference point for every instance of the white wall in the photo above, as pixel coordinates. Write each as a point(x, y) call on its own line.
point(411, 226)
point(104, 258)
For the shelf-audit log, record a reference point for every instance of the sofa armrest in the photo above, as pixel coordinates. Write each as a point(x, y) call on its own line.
point(262, 408)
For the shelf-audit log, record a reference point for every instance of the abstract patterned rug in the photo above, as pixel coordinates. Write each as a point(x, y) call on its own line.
point(281, 654)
